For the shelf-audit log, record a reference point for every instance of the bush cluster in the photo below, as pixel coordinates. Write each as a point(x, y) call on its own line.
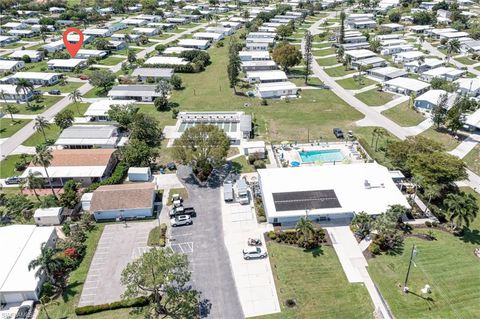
point(117, 177)
point(135, 302)
point(292, 237)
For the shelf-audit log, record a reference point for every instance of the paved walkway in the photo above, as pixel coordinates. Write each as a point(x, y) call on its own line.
point(355, 265)
point(466, 146)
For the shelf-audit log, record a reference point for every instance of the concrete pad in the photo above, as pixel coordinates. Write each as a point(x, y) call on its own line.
point(167, 181)
point(253, 278)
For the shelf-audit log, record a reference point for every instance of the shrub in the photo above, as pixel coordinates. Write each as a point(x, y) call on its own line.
point(374, 249)
point(20, 166)
point(264, 102)
point(435, 224)
point(272, 235)
point(175, 113)
point(428, 223)
point(259, 164)
point(117, 177)
point(261, 219)
point(134, 302)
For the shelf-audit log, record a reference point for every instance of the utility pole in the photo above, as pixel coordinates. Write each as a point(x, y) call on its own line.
point(412, 255)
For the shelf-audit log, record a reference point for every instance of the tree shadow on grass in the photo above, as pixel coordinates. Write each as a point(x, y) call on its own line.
point(70, 291)
point(395, 251)
point(428, 300)
point(316, 252)
point(471, 236)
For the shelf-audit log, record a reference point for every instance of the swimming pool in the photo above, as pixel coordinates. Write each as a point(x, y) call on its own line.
point(321, 155)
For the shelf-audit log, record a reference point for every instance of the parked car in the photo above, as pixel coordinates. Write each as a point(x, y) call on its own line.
point(228, 191)
point(37, 92)
point(181, 210)
point(338, 132)
point(171, 166)
point(25, 311)
point(181, 220)
point(54, 92)
point(177, 200)
point(254, 252)
point(84, 77)
point(13, 180)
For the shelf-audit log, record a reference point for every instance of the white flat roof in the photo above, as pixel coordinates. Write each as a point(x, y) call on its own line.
point(166, 60)
point(48, 212)
point(267, 75)
point(101, 107)
point(286, 85)
point(24, 243)
point(66, 62)
point(347, 181)
point(67, 171)
point(407, 83)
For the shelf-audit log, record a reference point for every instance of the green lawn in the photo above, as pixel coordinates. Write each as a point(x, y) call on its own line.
point(327, 61)
point(241, 165)
point(321, 46)
point(338, 71)
point(44, 102)
point(375, 148)
point(125, 51)
point(78, 108)
point(37, 138)
point(8, 128)
point(465, 60)
point(95, 92)
point(324, 52)
point(374, 97)
point(111, 60)
point(447, 264)
point(164, 118)
point(7, 166)
point(447, 140)
point(473, 159)
point(67, 88)
point(352, 84)
point(301, 81)
point(404, 115)
point(180, 191)
point(277, 121)
point(316, 281)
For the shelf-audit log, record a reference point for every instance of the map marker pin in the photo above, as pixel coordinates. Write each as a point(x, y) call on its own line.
point(73, 47)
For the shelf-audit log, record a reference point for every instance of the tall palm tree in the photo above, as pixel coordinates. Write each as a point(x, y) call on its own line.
point(76, 97)
point(11, 109)
point(3, 96)
point(305, 228)
point(461, 208)
point(378, 133)
point(43, 157)
point(41, 124)
point(46, 263)
point(34, 182)
point(453, 46)
point(25, 87)
point(127, 38)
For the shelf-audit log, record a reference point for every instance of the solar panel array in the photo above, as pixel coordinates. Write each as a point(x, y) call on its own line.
point(303, 200)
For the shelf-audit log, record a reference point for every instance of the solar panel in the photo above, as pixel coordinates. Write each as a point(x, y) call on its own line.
point(318, 199)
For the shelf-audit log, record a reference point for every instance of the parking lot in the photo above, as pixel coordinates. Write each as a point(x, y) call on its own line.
point(118, 245)
point(253, 278)
point(204, 245)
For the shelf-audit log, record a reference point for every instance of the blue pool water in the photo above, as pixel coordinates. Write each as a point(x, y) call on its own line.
point(321, 155)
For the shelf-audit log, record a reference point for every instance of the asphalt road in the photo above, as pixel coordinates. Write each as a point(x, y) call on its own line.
point(203, 243)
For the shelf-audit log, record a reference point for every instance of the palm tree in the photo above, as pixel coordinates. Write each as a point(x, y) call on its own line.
point(25, 87)
point(4, 96)
point(348, 62)
point(411, 101)
point(46, 263)
point(34, 182)
point(41, 124)
point(305, 228)
point(127, 39)
point(461, 208)
point(379, 132)
point(453, 46)
point(11, 109)
point(43, 157)
point(76, 97)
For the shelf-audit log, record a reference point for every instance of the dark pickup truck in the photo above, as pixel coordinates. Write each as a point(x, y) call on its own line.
point(176, 211)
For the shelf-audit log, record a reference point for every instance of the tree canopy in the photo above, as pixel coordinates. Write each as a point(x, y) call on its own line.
point(286, 55)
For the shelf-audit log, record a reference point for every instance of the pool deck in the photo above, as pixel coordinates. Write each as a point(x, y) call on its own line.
point(289, 154)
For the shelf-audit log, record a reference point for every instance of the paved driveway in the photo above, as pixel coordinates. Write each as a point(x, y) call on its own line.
point(203, 243)
point(118, 246)
point(253, 278)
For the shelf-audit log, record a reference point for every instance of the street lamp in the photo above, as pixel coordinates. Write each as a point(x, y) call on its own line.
point(412, 256)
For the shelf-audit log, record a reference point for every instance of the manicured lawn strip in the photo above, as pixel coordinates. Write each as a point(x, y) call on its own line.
point(338, 71)
point(327, 61)
point(45, 100)
point(374, 97)
point(125, 51)
point(321, 45)
point(473, 159)
point(324, 52)
point(241, 165)
point(37, 138)
point(445, 139)
point(447, 264)
point(465, 60)
point(317, 283)
point(95, 92)
point(7, 166)
point(476, 222)
point(111, 60)
point(164, 118)
point(404, 115)
point(352, 84)
point(301, 81)
point(67, 88)
point(277, 121)
point(78, 109)
point(8, 128)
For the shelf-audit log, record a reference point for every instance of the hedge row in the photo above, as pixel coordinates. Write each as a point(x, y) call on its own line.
point(117, 177)
point(135, 302)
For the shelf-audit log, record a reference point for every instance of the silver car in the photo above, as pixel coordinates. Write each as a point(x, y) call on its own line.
point(254, 252)
point(181, 220)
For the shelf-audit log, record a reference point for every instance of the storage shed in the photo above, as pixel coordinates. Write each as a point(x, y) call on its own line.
point(48, 216)
point(139, 174)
